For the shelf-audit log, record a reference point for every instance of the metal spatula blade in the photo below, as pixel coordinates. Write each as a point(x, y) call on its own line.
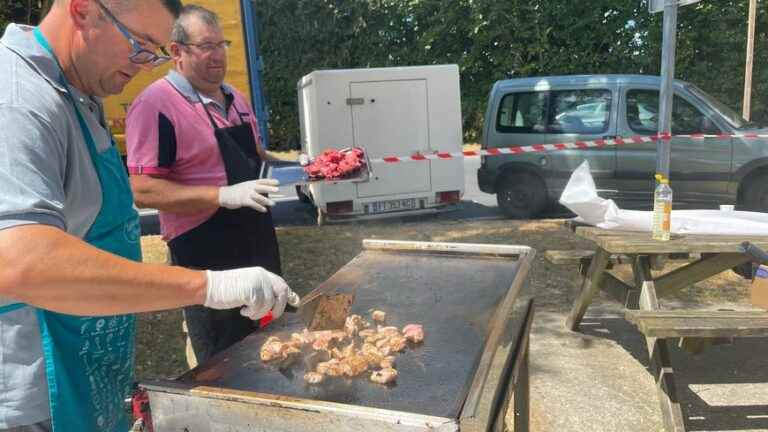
point(324, 308)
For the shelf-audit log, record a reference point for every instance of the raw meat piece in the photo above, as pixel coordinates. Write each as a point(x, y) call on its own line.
point(335, 164)
point(414, 332)
point(384, 376)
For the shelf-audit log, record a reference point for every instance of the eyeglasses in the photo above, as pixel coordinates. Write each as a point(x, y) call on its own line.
point(208, 47)
point(139, 55)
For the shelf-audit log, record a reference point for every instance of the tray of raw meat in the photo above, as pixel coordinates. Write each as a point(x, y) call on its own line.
point(349, 164)
point(331, 166)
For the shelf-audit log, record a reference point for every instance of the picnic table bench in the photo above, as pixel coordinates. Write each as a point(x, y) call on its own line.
point(696, 328)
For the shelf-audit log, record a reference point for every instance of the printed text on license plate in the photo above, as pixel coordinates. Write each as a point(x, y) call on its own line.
point(394, 205)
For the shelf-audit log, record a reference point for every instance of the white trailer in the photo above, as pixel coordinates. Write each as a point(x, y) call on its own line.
point(402, 111)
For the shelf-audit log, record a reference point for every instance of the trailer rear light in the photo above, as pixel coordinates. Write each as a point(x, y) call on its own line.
point(340, 207)
point(447, 197)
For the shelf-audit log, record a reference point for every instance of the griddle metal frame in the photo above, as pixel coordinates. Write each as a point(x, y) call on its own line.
point(500, 379)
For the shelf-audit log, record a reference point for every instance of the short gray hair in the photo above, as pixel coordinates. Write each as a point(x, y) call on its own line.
point(207, 16)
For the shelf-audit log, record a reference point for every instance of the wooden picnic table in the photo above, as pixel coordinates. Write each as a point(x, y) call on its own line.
point(717, 254)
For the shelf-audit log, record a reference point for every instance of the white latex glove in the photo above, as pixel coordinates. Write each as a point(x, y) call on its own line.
point(258, 290)
point(248, 194)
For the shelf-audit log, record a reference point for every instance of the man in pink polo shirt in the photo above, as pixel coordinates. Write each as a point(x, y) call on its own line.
point(193, 153)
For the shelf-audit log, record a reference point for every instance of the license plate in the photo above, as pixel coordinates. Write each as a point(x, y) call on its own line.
point(393, 205)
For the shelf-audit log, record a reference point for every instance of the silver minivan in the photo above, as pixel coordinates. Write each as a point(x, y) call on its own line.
point(704, 172)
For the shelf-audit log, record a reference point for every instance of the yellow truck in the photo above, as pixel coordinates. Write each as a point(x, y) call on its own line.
point(238, 23)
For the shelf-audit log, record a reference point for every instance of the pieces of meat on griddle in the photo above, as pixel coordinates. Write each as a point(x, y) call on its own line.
point(306, 337)
point(414, 333)
point(276, 350)
point(367, 333)
point(324, 339)
point(372, 354)
point(332, 368)
point(354, 365)
point(397, 343)
point(341, 354)
point(314, 377)
point(350, 352)
point(387, 362)
point(384, 376)
point(388, 331)
point(379, 316)
point(353, 325)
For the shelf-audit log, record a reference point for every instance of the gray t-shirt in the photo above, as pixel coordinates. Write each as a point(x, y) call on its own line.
point(46, 177)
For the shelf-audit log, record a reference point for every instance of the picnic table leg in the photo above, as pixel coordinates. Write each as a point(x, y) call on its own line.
point(589, 287)
point(658, 352)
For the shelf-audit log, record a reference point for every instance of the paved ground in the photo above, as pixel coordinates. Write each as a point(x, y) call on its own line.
point(597, 379)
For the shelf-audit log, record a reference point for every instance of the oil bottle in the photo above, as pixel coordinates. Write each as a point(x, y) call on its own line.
point(662, 209)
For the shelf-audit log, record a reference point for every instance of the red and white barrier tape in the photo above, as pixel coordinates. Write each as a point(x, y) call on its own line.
point(540, 148)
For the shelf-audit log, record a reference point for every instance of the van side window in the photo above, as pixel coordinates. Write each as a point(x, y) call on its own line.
point(522, 113)
point(642, 115)
point(583, 112)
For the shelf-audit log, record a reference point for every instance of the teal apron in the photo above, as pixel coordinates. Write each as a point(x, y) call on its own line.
point(89, 360)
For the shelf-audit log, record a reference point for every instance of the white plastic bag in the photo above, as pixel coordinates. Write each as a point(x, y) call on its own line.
point(580, 196)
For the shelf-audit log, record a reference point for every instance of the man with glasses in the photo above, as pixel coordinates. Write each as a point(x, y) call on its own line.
point(70, 275)
point(194, 153)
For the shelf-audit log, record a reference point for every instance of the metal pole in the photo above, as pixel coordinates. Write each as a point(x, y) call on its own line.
point(255, 68)
point(747, 110)
point(667, 89)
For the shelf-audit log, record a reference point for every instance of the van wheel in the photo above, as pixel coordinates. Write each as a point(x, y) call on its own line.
point(302, 196)
point(755, 196)
point(521, 195)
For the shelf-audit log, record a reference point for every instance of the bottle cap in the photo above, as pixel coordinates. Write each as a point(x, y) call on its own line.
point(660, 178)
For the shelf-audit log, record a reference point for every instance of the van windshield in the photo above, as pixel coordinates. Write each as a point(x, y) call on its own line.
point(731, 116)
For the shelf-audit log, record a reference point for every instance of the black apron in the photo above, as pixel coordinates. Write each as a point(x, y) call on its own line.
point(229, 239)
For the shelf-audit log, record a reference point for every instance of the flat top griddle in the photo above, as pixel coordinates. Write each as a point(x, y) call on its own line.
point(453, 295)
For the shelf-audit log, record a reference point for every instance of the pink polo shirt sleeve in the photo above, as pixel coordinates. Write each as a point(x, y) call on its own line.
point(150, 136)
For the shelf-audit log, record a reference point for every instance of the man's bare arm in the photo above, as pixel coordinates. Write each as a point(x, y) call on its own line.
point(48, 268)
point(165, 195)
